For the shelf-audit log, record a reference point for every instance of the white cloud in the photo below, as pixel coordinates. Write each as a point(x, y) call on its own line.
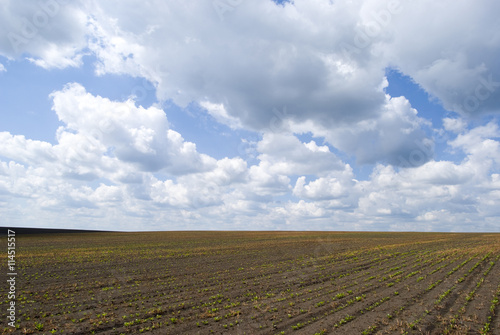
point(258, 71)
point(334, 186)
point(304, 209)
point(218, 111)
point(25, 150)
point(320, 188)
point(451, 62)
point(203, 189)
point(440, 173)
point(304, 67)
point(170, 193)
point(286, 154)
point(2, 68)
point(117, 142)
point(442, 193)
point(124, 131)
point(395, 135)
point(433, 196)
point(454, 125)
point(52, 32)
point(184, 50)
point(292, 57)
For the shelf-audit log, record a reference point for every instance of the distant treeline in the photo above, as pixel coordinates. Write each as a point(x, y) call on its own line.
point(24, 231)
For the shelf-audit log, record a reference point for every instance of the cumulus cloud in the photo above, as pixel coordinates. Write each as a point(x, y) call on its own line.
point(455, 125)
point(435, 195)
point(480, 144)
point(202, 189)
point(440, 193)
point(407, 195)
point(286, 154)
point(327, 75)
point(456, 65)
point(184, 50)
point(261, 69)
point(281, 70)
point(395, 135)
point(321, 70)
point(321, 188)
point(281, 156)
point(130, 147)
point(52, 32)
point(218, 111)
point(128, 132)
point(118, 142)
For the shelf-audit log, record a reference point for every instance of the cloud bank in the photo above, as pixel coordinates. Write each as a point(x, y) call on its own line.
point(284, 72)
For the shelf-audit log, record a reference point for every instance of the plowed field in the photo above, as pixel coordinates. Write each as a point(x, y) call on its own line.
point(255, 283)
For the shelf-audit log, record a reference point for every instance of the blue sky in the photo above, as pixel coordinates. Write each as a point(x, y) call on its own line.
point(295, 115)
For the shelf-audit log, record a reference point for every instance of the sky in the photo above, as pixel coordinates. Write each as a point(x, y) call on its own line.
point(363, 115)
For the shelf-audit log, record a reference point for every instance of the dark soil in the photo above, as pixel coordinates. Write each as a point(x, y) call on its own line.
point(254, 283)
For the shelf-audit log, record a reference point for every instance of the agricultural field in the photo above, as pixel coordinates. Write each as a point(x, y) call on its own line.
point(256, 283)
